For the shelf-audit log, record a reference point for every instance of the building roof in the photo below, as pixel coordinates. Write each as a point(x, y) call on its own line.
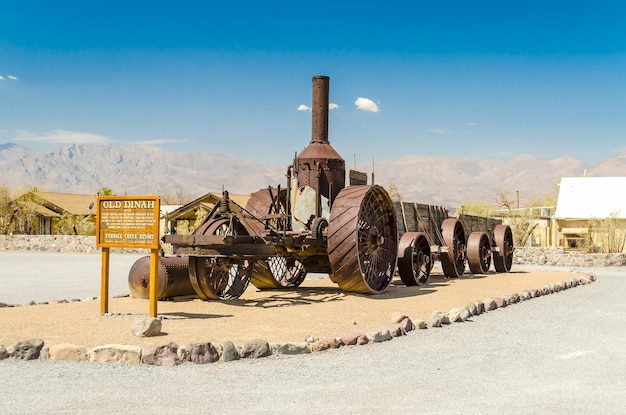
point(207, 202)
point(591, 198)
point(71, 203)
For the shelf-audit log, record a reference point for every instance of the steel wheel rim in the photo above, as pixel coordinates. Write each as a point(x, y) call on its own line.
point(414, 258)
point(219, 278)
point(453, 262)
point(503, 256)
point(479, 252)
point(362, 239)
point(287, 272)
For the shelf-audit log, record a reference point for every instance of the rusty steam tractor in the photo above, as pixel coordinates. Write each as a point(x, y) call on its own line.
point(316, 224)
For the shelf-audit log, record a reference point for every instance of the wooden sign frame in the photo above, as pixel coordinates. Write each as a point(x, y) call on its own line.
point(128, 222)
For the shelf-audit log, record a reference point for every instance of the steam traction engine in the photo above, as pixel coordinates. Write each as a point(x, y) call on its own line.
point(317, 224)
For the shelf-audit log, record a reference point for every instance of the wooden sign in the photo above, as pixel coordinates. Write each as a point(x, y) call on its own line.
point(128, 222)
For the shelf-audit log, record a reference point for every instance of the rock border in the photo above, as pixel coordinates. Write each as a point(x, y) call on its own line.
point(171, 354)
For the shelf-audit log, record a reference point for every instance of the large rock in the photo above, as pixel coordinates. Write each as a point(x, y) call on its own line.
point(290, 348)
point(464, 313)
point(161, 355)
point(396, 330)
point(28, 349)
point(4, 353)
point(407, 325)
point(116, 353)
point(68, 352)
point(255, 349)
point(199, 353)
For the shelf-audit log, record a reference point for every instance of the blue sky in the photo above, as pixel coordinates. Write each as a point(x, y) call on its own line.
point(481, 79)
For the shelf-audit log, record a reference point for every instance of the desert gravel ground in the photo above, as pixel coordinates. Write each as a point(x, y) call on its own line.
point(557, 354)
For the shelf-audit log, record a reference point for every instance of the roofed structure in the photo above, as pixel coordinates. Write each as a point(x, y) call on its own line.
point(591, 198)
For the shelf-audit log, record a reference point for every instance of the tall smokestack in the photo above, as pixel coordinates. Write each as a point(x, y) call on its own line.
point(319, 166)
point(319, 109)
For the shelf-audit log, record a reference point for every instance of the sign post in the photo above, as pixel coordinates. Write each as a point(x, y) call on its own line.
point(128, 222)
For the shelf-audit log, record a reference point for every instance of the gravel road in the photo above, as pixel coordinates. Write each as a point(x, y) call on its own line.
point(559, 354)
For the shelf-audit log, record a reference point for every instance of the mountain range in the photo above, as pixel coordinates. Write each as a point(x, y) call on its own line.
point(147, 170)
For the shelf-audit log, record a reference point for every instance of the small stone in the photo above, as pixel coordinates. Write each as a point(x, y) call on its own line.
point(379, 336)
point(229, 352)
point(310, 339)
point(434, 321)
point(420, 324)
point(480, 307)
point(397, 317)
point(464, 313)
point(514, 298)
point(454, 315)
point(490, 304)
point(4, 353)
point(353, 339)
point(407, 325)
point(499, 302)
point(147, 327)
point(471, 307)
point(324, 344)
point(396, 330)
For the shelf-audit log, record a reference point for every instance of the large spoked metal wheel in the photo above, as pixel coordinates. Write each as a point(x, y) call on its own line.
point(414, 259)
point(362, 239)
point(278, 272)
point(479, 252)
point(503, 254)
point(219, 278)
point(453, 261)
point(269, 207)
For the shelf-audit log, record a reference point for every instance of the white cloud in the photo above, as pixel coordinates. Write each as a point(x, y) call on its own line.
point(440, 130)
point(11, 77)
point(1, 77)
point(62, 137)
point(366, 104)
point(471, 124)
point(331, 106)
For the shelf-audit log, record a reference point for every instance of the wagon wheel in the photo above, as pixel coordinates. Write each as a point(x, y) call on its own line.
point(277, 271)
point(479, 252)
point(453, 261)
point(220, 278)
point(362, 239)
point(503, 255)
point(265, 202)
point(414, 261)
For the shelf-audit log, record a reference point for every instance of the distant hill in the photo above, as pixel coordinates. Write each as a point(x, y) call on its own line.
point(131, 170)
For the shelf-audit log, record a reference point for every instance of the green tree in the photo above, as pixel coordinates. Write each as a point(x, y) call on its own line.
point(6, 210)
point(106, 191)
